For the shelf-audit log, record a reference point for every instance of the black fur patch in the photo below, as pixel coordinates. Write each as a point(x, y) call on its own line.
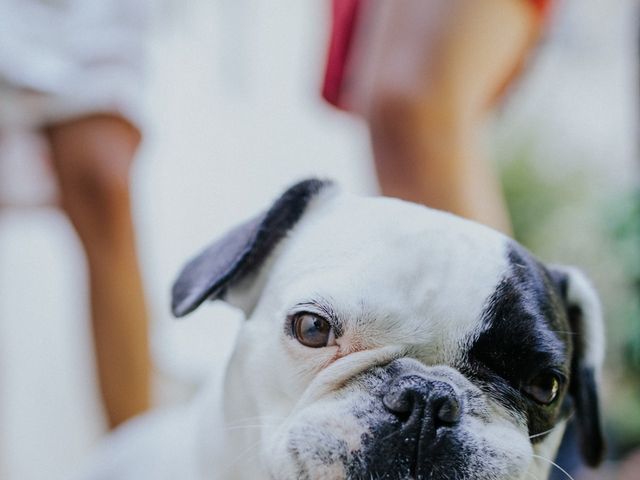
point(525, 330)
point(241, 251)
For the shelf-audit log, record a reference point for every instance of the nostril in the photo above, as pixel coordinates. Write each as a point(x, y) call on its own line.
point(399, 402)
point(447, 410)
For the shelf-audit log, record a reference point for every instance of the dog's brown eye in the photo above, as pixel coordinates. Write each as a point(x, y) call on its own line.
point(312, 330)
point(544, 388)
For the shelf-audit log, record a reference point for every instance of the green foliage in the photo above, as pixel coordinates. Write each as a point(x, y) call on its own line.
point(623, 221)
point(533, 198)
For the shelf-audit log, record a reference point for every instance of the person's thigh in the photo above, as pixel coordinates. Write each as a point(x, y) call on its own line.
point(486, 44)
point(457, 54)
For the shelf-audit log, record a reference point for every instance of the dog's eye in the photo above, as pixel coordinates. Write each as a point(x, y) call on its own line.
point(312, 330)
point(544, 388)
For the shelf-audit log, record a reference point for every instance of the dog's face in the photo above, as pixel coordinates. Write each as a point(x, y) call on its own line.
point(387, 340)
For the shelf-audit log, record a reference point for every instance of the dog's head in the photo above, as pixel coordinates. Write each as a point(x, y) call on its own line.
point(388, 340)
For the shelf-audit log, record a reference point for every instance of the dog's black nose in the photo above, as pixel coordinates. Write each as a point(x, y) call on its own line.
point(427, 412)
point(414, 399)
point(419, 432)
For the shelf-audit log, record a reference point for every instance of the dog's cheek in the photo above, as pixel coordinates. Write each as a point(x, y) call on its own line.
point(320, 441)
point(318, 453)
point(498, 448)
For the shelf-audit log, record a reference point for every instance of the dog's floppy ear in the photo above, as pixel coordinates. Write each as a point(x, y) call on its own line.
point(241, 252)
point(585, 318)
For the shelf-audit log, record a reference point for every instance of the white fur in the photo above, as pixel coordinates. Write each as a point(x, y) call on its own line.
point(402, 276)
point(581, 293)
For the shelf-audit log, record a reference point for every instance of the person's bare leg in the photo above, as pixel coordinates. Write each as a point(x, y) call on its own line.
point(427, 128)
point(92, 158)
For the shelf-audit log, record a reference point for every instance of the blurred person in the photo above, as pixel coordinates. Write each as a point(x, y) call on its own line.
point(425, 74)
point(72, 71)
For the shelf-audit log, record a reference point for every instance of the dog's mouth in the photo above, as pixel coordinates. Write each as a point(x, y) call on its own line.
point(407, 423)
point(416, 450)
point(419, 453)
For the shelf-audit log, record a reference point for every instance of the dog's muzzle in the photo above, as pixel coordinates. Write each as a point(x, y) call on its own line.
point(423, 416)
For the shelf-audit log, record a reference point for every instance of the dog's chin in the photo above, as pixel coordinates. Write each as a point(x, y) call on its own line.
point(353, 435)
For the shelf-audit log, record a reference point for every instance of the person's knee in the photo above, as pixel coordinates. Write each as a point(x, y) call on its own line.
point(401, 118)
point(392, 113)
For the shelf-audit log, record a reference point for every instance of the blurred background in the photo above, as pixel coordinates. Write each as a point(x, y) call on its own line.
point(233, 115)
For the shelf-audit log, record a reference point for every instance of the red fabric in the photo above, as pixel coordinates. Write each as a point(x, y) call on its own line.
point(344, 17)
point(542, 6)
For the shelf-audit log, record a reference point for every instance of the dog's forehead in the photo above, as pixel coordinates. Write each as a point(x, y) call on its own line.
point(389, 260)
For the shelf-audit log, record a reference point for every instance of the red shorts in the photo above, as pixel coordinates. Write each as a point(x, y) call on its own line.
point(345, 17)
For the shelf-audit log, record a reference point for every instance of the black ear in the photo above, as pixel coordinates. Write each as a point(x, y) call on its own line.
point(585, 318)
point(242, 251)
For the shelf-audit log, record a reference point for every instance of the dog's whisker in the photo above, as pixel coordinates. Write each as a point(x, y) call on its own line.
point(536, 435)
point(243, 454)
point(257, 418)
point(540, 434)
point(256, 422)
point(252, 426)
point(246, 427)
point(554, 464)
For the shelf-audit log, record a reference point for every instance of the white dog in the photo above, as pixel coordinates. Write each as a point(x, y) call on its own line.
point(383, 340)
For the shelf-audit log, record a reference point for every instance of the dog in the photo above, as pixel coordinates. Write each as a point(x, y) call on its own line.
point(383, 340)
